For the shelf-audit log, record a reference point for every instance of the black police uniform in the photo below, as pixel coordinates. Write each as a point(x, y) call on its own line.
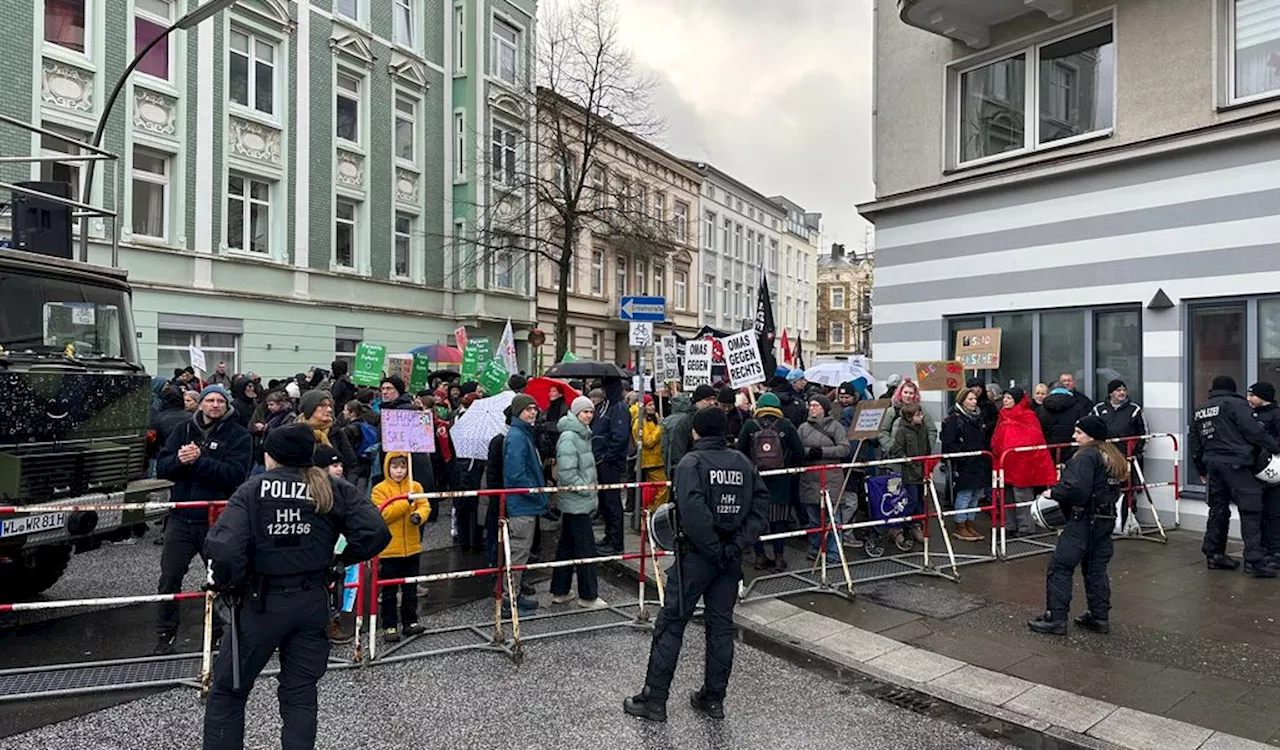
point(722, 508)
point(272, 545)
point(1269, 415)
point(1225, 438)
point(1087, 494)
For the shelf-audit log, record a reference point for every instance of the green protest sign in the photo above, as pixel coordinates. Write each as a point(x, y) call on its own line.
point(470, 363)
point(494, 378)
point(569, 357)
point(421, 368)
point(369, 360)
point(485, 349)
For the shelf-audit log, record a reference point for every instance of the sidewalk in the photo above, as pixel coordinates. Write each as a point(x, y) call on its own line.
point(1193, 659)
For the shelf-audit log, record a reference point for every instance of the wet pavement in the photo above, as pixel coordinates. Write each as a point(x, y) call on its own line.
point(566, 694)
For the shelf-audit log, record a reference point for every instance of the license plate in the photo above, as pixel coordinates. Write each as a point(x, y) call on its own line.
point(32, 524)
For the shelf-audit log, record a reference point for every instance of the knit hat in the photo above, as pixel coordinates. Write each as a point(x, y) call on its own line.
point(769, 401)
point(894, 380)
point(710, 423)
point(292, 389)
point(974, 383)
point(847, 389)
point(648, 399)
point(325, 455)
point(519, 404)
point(703, 392)
point(1223, 383)
point(311, 401)
point(597, 393)
point(517, 383)
point(1264, 391)
point(727, 396)
point(795, 376)
point(581, 404)
point(1093, 426)
point(1017, 394)
point(1113, 385)
point(396, 382)
point(212, 389)
point(292, 445)
point(822, 401)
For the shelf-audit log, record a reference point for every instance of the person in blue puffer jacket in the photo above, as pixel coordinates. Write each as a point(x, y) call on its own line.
point(522, 467)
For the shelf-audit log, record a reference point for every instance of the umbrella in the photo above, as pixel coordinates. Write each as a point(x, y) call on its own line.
point(585, 368)
point(439, 352)
point(443, 375)
point(475, 429)
point(834, 373)
point(539, 389)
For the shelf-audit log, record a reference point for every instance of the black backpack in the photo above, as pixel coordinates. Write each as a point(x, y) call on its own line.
point(766, 447)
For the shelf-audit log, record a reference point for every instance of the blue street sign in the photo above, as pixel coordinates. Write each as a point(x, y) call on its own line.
point(644, 308)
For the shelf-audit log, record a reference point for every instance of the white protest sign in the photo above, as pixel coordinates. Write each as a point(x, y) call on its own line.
point(641, 335)
point(697, 364)
point(742, 358)
point(197, 358)
point(668, 359)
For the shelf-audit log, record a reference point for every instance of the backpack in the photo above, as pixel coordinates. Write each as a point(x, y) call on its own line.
point(766, 447)
point(370, 446)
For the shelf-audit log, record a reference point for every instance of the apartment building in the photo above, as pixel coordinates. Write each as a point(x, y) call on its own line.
point(794, 306)
point(1098, 179)
point(844, 303)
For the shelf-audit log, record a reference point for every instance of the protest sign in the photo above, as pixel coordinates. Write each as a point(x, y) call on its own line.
point(493, 379)
point(697, 364)
point(943, 375)
point(418, 378)
point(979, 348)
point(409, 431)
point(867, 419)
point(742, 358)
point(369, 359)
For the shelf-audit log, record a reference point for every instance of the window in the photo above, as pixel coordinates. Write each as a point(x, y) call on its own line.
point(737, 240)
point(681, 219)
point(345, 341)
point(597, 272)
point(345, 228)
point(500, 271)
point(251, 72)
point(837, 333)
point(248, 214)
point(459, 146)
point(599, 193)
point(709, 294)
point(152, 20)
point(642, 277)
point(659, 281)
point(759, 258)
point(789, 261)
point(709, 230)
point(1017, 353)
point(347, 108)
point(403, 246)
point(659, 206)
point(68, 172)
point(837, 298)
point(640, 201)
point(1218, 345)
point(739, 300)
point(504, 155)
point(682, 290)
point(773, 255)
point(572, 280)
point(1117, 348)
point(459, 38)
point(506, 40)
point(150, 194)
point(596, 352)
point(1062, 345)
point(348, 8)
point(726, 299)
point(173, 349)
point(1073, 78)
point(64, 23)
point(403, 17)
point(751, 241)
point(726, 237)
point(406, 116)
point(620, 271)
point(1255, 48)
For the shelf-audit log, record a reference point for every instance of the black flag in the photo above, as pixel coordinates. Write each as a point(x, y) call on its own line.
point(765, 330)
point(799, 356)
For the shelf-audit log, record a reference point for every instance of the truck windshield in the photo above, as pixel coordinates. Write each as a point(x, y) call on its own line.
point(46, 313)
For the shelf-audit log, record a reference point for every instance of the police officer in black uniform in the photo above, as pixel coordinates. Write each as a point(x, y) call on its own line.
point(1225, 440)
point(1262, 397)
point(721, 507)
point(271, 551)
point(1087, 492)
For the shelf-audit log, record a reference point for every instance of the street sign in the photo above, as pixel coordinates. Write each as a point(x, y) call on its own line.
point(641, 335)
point(652, 309)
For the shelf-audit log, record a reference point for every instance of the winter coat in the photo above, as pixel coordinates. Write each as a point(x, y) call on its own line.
point(892, 421)
point(493, 465)
point(794, 408)
point(575, 466)
point(677, 430)
point(1087, 484)
point(342, 390)
point(522, 467)
point(399, 514)
point(827, 434)
point(781, 487)
point(910, 441)
point(647, 434)
point(610, 430)
point(1125, 420)
point(990, 412)
point(961, 433)
point(340, 443)
point(223, 465)
point(164, 422)
point(1019, 428)
point(1224, 431)
point(1058, 417)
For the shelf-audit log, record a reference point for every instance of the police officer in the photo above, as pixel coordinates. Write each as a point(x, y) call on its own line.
point(721, 507)
point(1087, 492)
point(274, 546)
point(1262, 397)
point(1225, 438)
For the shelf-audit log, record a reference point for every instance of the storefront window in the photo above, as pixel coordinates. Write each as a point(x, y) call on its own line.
point(1268, 341)
point(1217, 346)
point(1016, 355)
point(1117, 352)
point(1062, 347)
point(960, 324)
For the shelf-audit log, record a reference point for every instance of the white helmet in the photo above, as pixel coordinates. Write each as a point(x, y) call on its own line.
point(1270, 474)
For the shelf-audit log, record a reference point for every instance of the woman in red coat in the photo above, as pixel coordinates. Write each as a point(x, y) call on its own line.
point(1018, 427)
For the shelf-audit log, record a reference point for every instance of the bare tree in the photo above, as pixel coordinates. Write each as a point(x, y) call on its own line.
point(548, 192)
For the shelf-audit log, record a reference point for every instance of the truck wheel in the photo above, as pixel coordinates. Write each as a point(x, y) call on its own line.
point(31, 572)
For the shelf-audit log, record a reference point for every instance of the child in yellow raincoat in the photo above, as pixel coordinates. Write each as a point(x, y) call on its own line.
point(646, 428)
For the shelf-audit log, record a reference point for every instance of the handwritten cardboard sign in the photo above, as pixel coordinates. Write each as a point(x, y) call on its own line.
point(979, 348)
point(943, 375)
point(408, 431)
point(867, 419)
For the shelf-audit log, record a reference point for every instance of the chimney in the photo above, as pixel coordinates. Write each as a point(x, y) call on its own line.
point(837, 251)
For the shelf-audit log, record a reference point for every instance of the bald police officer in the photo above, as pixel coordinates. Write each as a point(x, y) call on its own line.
point(274, 546)
point(721, 509)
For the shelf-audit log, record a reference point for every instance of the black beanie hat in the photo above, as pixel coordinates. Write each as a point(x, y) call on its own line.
point(1264, 391)
point(1113, 385)
point(517, 383)
point(822, 401)
point(1017, 393)
point(974, 383)
point(325, 456)
point(710, 423)
point(292, 445)
point(1223, 383)
point(727, 396)
point(703, 392)
point(396, 382)
point(1093, 426)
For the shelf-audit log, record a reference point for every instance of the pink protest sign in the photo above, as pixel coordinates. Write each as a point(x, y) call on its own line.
point(408, 431)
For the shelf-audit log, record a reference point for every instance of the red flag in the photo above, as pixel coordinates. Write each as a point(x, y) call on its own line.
point(786, 349)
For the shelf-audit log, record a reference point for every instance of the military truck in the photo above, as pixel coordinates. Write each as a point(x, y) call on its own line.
point(74, 415)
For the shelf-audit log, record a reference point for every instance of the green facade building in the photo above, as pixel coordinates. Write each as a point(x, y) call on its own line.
point(294, 177)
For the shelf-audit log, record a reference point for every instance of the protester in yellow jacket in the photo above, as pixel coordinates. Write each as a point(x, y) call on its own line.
point(404, 518)
point(647, 432)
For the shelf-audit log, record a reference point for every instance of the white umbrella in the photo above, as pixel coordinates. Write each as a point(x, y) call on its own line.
point(475, 429)
point(832, 374)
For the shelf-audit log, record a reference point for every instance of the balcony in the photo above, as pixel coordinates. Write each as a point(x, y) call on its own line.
point(970, 21)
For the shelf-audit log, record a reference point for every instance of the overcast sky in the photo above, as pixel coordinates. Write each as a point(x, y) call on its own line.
point(775, 92)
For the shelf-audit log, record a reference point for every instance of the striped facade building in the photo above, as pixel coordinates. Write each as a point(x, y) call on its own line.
point(1115, 210)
